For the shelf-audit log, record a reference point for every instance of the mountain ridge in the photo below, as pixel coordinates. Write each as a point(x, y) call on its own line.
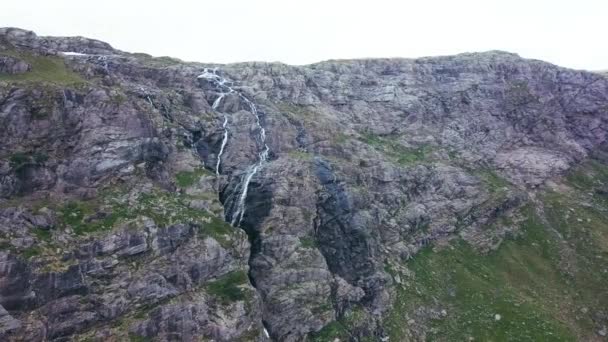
point(398, 200)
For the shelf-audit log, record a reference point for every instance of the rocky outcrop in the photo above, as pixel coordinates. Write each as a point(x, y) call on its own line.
point(112, 214)
point(11, 65)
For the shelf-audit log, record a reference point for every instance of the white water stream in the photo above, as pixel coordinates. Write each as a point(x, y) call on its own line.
point(223, 86)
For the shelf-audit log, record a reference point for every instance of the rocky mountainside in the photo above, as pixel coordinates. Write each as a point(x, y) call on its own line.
point(447, 198)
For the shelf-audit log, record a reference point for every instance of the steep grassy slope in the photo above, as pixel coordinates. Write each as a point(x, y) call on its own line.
point(547, 283)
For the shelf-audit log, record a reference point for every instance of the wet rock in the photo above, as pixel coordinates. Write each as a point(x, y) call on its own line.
point(15, 278)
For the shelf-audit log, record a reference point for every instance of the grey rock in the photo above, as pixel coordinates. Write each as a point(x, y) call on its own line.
point(370, 162)
point(7, 322)
point(13, 65)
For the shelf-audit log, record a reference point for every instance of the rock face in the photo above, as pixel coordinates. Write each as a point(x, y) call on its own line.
point(112, 214)
point(12, 65)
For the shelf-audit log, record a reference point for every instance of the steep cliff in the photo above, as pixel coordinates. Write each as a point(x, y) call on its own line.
point(445, 198)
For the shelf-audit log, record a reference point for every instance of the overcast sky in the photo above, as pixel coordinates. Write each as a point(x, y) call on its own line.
point(565, 32)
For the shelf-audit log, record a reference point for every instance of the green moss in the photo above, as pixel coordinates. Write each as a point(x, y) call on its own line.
point(136, 338)
point(168, 208)
point(43, 234)
point(308, 242)
point(537, 282)
point(40, 157)
point(31, 252)
point(331, 332)
point(185, 179)
point(494, 183)
point(400, 154)
point(5, 245)
point(301, 155)
point(48, 69)
point(19, 160)
point(86, 217)
point(297, 112)
point(341, 329)
point(218, 229)
point(229, 287)
point(118, 98)
point(116, 205)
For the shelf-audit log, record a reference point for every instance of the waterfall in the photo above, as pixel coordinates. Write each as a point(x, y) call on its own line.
point(262, 157)
point(224, 87)
point(224, 141)
point(143, 90)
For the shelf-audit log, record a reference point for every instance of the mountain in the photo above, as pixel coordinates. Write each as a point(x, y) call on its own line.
point(453, 198)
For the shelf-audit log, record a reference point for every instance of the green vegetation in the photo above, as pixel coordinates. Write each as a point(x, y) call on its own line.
point(167, 208)
point(330, 332)
point(494, 182)
point(136, 338)
point(185, 179)
point(297, 112)
point(218, 229)
point(517, 282)
point(546, 284)
point(84, 217)
point(19, 160)
point(31, 252)
point(301, 155)
point(342, 328)
point(43, 234)
point(118, 98)
point(114, 206)
point(308, 242)
point(229, 287)
point(396, 151)
point(163, 61)
point(48, 69)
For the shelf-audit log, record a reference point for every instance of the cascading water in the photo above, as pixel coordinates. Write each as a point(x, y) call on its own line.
point(223, 86)
point(143, 90)
point(224, 142)
point(262, 157)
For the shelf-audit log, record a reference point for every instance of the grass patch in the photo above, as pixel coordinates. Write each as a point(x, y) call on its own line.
point(43, 234)
point(116, 206)
point(400, 154)
point(494, 183)
point(218, 229)
point(85, 217)
point(31, 252)
point(518, 282)
point(332, 331)
point(300, 155)
point(341, 329)
point(308, 242)
point(50, 69)
point(136, 338)
point(186, 179)
point(537, 282)
point(229, 287)
point(18, 161)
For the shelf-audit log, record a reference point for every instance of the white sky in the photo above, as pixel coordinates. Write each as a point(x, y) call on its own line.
point(566, 32)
